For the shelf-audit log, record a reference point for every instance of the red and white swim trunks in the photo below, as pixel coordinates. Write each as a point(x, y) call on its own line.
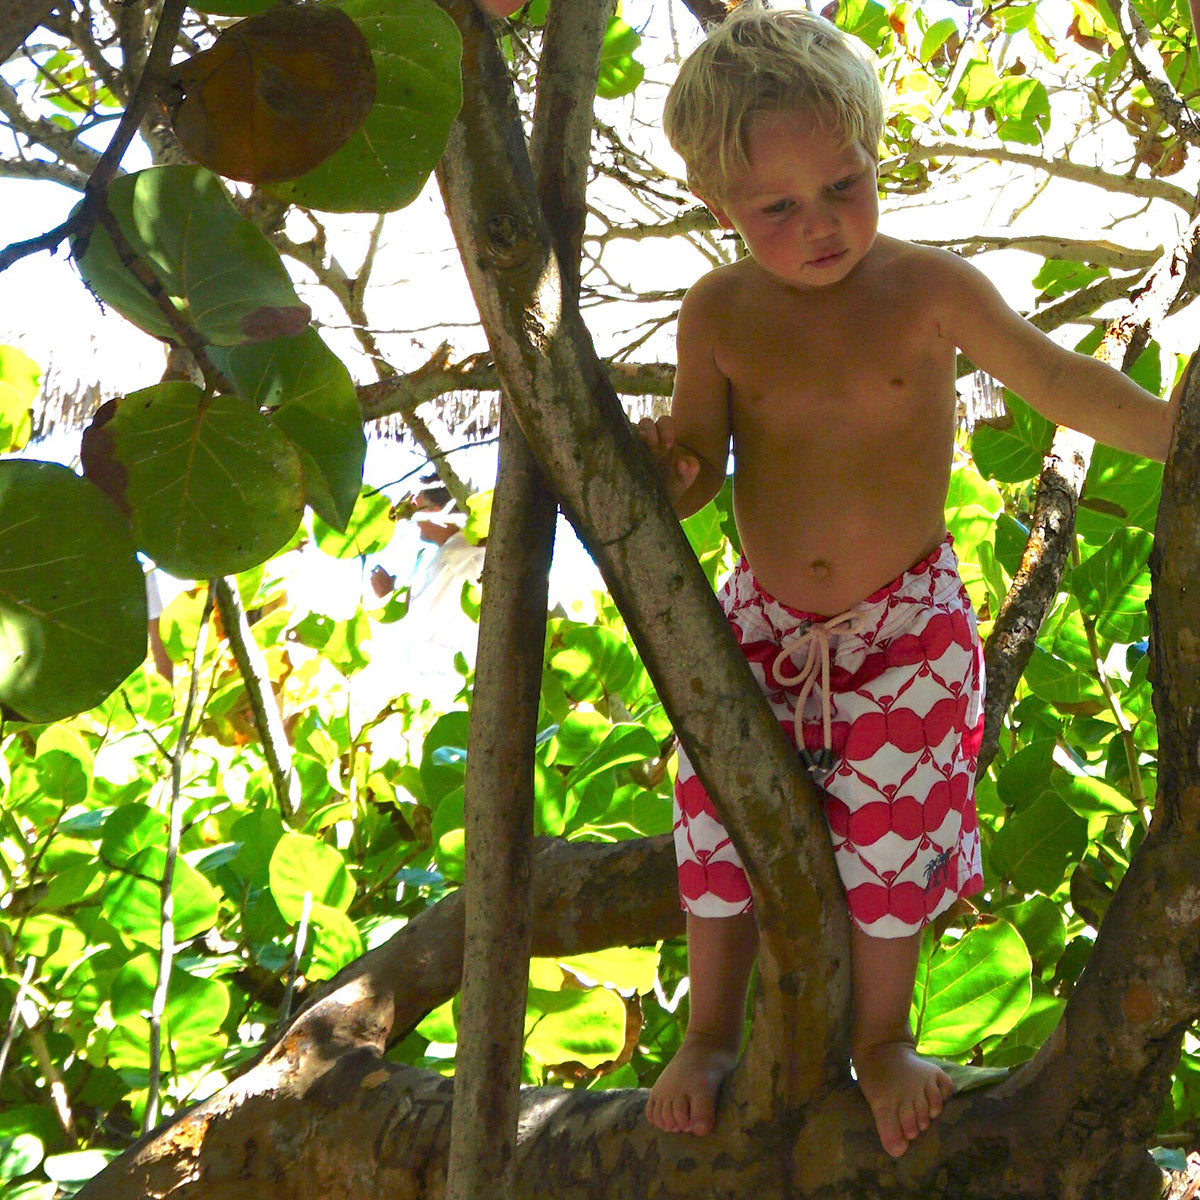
point(894, 687)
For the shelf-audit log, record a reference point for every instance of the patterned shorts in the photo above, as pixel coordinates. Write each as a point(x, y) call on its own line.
point(904, 717)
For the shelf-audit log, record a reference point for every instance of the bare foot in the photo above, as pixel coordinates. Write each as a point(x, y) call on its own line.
point(684, 1100)
point(904, 1090)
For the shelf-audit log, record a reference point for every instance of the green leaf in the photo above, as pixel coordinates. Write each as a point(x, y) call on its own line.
point(936, 36)
point(78, 1166)
point(444, 756)
point(72, 595)
point(1022, 108)
point(1121, 490)
point(338, 943)
point(1012, 448)
point(1058, 276)
point(626, 968)
point(301, 864)
point(620, 72)
point(1091, 797)
point(19, 1155)
point(587, 1027)
point(1036, 846)
point(63, 763)
point(1027, 773)
point(580, 733)
point(625, 744)
point(131, 900)
point(1113, 586)
point(1039, 921)
point(418, 92)
point(866, 19)
point(195, 1006)
point(314, 401)
point(218, 269)
point(593, 662)
point(552, 804)
point(972, 988)
point(368, 531)
point(20, 382)
point(128, 831)
point(213, 487)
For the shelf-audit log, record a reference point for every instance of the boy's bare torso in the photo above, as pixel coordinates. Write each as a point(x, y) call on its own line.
point(842, 410)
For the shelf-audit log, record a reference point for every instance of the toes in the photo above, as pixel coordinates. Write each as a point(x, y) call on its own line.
point(681, 1115)
point(890, 1133)
point(921, 1109)
point(703, 1112)
point(908, 1119)
point(945, 1085)
point(934, 1097)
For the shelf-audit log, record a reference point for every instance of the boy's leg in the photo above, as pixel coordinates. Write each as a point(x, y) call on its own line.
point(905, 1091)
point(721, 953)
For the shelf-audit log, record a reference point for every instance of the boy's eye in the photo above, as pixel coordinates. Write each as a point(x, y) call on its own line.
point(778, 207)
point(844, 185)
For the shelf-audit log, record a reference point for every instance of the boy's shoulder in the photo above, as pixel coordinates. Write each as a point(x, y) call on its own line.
point(925, 271)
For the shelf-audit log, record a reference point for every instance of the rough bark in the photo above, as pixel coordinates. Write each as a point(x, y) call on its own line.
point(499, 825)
point(18, 19)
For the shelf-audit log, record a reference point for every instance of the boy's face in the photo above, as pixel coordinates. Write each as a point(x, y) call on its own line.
point(807, 207)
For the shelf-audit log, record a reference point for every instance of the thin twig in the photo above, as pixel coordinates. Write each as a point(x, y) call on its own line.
point(14, 1016)
point(285, 1008)
point(256, 677)
point(166, 955)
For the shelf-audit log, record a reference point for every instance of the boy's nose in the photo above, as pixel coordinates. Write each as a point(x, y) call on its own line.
point(819, 221)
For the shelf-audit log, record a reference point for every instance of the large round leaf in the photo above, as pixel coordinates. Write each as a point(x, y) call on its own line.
point(301, 864)
point(72, 595)
point(132, 899)
point(315, 403)
point(216, 267)
point(213, 487)
point(972, 988)
point(1036, 846)
point(418, 92)
point(275, 95)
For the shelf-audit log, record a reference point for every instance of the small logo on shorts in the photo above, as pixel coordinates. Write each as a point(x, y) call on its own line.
point(937, 870)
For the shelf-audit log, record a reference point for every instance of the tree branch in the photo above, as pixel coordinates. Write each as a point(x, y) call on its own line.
point(1059, 168)
point(1148, 66)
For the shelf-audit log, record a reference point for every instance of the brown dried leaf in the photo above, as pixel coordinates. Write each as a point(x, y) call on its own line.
point(275, 94)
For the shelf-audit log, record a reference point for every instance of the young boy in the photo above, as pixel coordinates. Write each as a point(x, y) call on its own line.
point(828, 356)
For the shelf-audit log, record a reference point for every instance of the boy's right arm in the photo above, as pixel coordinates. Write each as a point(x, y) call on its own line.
point(691, 446)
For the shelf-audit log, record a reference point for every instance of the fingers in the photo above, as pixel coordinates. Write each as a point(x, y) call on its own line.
point(658, 436)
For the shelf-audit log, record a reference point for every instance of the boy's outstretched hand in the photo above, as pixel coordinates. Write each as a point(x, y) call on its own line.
point(677, 465)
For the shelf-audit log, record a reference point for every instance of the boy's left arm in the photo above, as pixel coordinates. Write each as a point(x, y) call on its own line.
point(1065, 387)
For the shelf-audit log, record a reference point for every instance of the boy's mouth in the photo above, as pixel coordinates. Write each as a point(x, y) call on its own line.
point(827, 260)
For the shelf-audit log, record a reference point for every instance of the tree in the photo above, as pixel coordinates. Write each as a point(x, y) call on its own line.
point(1072, 1121)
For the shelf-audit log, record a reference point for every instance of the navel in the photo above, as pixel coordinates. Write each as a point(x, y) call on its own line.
point(898, 382)
point(820, 568)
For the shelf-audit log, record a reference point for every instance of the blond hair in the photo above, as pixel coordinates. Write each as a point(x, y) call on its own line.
point(760, 61)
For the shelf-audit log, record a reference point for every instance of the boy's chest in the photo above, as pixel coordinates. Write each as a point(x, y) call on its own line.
point(873, 362)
